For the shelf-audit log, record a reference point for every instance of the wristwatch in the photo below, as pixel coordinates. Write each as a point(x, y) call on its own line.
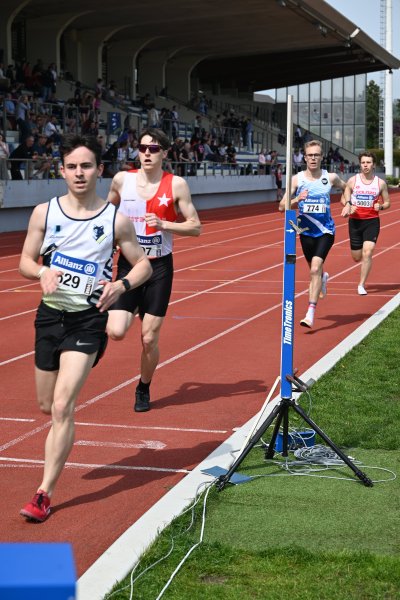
point(126, 284)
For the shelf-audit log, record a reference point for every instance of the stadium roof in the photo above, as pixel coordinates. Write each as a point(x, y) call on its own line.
point(252, 45)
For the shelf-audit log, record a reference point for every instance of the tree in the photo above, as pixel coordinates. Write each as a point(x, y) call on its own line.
point(374, 93)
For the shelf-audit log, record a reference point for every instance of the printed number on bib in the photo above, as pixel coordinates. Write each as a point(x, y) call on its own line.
point(363, 200)
point(151, 244)
point(77, 275)
point(309, 207)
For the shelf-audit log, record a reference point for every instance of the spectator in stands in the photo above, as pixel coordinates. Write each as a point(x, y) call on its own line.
point(4, 154)
point(198, 150)
point(153, 117)
point(78, 94)
point(90, 127)
point(71, 115)
point(122, 155)
point(278, 182)
point(174, 122)
point(47, 84)
point(262, 161)
point(133, 154)
point(187, 158)
point(109, 159)
point(22, 117)
point(297, 160)
point(99, 87)
point(21, 153)
point(51, 129)
point(174, 152)
point(231, 154)
point(43, 157)
point(298, 137)
point(249, 135)
point(96, 103)
point(9, 106)
point(197, 127)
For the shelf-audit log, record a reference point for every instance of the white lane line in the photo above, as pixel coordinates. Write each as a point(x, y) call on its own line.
point(18, 420)
point(76, 465)
point(151, 427)
point(148, 444)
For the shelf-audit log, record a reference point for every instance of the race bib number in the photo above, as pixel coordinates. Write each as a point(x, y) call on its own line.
point(151, 244)
point(364, 200)
point(316, 208)
point(77, 275)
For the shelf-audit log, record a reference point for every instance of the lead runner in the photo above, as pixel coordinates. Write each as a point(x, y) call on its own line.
point(152, 200)
point(312, 189)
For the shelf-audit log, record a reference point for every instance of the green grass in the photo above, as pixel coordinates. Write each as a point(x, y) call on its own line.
point(283, 536)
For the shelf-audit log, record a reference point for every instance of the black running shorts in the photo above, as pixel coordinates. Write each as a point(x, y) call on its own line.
point(152, 297)
point(363, 230)
point(316, 246)
point(57, 331)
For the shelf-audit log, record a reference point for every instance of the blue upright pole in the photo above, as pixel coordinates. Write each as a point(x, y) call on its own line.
point(289, 265)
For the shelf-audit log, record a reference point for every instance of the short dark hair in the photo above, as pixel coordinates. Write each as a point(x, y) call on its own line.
point(156, 134)
point(72, 141)
point(368, 155)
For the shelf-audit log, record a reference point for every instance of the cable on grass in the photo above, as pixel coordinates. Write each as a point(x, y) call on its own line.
point(207, 486)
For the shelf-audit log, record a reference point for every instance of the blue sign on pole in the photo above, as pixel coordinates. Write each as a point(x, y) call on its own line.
point(113, 122)
point(289, 279)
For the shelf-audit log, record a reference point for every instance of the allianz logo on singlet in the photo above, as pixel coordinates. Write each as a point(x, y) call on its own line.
point(74, 264)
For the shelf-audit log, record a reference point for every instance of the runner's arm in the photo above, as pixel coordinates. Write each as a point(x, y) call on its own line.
point(282, 203)
point(125, 237)
point(28, 265)
point(385, 196)
point(114, 195)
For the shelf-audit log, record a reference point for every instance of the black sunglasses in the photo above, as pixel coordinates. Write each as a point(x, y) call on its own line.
point(152, 148)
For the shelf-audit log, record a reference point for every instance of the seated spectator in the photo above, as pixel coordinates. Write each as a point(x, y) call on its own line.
point(90, 127)
point(42, 160)
point(133, 155)
point(109, 160)
point(231, 154)
point(51, 129)
point(9, 106)
point(186, 157)
point(4, 154)
point(22, 153)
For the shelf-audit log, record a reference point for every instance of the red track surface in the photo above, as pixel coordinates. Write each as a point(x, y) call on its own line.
point(220, 350)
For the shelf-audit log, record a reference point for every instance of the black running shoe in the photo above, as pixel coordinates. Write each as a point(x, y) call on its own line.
point(142, 401)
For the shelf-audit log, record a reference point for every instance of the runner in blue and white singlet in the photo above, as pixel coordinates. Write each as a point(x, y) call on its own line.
point(315, 210)
point(312, 188)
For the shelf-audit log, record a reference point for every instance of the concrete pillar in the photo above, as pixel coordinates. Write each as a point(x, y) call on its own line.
point(43, 37)
point(178, 72)
point(122, 61)
point(9, 10)
point(152, 71)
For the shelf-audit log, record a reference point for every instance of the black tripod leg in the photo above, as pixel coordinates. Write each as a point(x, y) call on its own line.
point(224, 479)
point(269, 453)
point(362, 476)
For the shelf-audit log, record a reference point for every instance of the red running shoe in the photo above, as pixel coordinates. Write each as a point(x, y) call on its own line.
point(38, 509)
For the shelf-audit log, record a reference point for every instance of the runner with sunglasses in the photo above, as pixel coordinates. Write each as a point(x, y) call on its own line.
point(312, 188)
point(152, 199)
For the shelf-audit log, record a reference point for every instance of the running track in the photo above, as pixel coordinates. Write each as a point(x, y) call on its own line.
point(220, 354)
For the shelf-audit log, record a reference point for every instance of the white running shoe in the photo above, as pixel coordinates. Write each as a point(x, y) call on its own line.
point(324, 290)
point(361, 290)
point(308, 321)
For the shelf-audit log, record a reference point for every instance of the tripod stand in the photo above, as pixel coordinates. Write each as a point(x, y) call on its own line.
point(280, 414)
